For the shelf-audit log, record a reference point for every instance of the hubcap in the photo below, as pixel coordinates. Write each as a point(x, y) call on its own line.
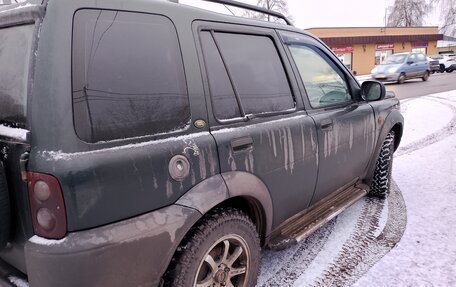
point(227, 263)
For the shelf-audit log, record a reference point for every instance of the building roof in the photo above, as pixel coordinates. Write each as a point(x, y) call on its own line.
point(368, 35)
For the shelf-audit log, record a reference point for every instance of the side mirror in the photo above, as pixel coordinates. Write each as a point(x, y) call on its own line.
point(373, 90)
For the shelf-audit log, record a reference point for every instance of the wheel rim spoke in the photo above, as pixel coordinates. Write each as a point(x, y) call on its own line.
point(226, 249)
point(237, 252)
point(209, 260)
point(207, 282)
point(237, 271)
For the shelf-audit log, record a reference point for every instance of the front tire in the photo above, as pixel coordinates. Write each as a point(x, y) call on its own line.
point(382, 175)
point(401, 78)
point(222, 250)
point(449, 70)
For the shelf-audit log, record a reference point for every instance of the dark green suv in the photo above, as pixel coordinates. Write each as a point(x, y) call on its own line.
point(148, 143)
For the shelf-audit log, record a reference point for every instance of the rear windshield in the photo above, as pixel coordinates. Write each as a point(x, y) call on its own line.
point(15, 47)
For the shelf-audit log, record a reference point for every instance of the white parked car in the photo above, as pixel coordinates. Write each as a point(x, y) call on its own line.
point(447, 62)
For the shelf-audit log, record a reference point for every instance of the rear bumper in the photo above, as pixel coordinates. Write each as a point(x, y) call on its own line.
point(435, 68)
point(134, 252)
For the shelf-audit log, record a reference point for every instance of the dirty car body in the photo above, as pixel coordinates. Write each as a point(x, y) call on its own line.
point(118, 145)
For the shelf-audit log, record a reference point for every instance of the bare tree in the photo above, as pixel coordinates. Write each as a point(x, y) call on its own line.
point(407, 13)
point(447, 16)
point(280, 6)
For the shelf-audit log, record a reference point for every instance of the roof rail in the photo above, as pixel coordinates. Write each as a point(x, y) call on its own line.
point(252, 8)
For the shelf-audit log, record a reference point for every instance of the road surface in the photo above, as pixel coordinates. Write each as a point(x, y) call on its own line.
point(416, 88)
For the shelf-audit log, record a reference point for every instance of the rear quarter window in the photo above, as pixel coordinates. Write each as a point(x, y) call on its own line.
point(128, 76)
point(15, 50)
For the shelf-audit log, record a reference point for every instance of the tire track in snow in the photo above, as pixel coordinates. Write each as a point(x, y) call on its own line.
point(364, 249)
point(355, 250)
point(292, 262)
point(448, 130)
point(370, 240)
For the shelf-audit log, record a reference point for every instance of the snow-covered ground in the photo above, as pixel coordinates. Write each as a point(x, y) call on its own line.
point(425, 171)
point(406, 240)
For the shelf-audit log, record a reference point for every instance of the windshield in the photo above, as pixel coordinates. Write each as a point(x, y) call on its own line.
point(15, 46)
point(395, 59)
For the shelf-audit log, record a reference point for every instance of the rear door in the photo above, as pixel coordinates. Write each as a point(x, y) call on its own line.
point(345, 125)
point(412, 66)
point(258, 120)
point(422, 63)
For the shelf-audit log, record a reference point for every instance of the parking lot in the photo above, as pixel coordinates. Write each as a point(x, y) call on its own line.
point(437, 83)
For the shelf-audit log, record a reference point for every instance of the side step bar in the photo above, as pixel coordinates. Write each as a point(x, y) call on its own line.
point(302, 225)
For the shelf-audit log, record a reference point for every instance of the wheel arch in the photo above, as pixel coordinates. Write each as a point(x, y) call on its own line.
point(235, 189)
point(393, 122)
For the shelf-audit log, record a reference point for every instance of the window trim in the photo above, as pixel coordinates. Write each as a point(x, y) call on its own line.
point(242, 30)
point(151, 136)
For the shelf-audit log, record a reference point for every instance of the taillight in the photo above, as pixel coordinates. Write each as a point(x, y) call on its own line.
point(47, 205)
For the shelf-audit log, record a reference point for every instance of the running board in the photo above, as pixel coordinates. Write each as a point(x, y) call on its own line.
point(302, 225)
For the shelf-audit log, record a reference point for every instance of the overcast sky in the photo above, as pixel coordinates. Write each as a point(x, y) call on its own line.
point(325, 13)
point(330, 13)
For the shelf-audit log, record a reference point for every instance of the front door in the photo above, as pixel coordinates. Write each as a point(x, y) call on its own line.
point(345, 126)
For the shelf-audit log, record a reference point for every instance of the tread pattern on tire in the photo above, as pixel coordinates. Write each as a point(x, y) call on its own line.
point(190, 247)
point(383, 167)
point(4, 209)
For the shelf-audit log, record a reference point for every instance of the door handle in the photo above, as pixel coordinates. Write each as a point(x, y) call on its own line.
point(326, 124)
point(242, 144)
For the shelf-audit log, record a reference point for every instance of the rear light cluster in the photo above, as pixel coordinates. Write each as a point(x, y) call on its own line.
point(47, 205)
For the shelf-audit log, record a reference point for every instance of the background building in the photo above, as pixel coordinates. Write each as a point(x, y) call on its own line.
point(360, 49)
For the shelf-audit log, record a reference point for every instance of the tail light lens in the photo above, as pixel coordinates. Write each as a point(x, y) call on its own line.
point(47, 205)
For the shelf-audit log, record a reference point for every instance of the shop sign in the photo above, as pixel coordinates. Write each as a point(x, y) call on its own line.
point(344, 49)
point(419, 45)
point(385, 46)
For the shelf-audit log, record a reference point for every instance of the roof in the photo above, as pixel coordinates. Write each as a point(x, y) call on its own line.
point(344, 41)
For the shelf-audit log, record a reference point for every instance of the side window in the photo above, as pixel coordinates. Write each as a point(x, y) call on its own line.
point(128, 77)
point(222, 93)
point(247, 67)
point(421, 58)
point(412, 58)
point(324, 82)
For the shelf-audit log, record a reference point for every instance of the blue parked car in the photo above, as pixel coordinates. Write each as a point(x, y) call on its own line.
point(402, 66)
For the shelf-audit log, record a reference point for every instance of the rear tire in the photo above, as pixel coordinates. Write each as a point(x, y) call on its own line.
point(425, 76)
point(4, 209)
point(223, 248)
point(383, 168)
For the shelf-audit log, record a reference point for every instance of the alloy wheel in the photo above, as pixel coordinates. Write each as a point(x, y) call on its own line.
point(227, 263)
